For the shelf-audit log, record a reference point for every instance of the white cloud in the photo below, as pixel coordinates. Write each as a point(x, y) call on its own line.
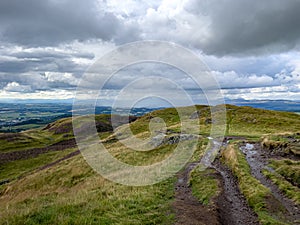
point(294, 64)
point(231, 79)
point(16, 87)
point(67, 78)
point(269, 61)
point(54, 94)
point(261, 94)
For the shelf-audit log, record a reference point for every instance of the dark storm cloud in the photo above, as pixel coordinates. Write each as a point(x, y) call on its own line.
point(40, 64)
point(231, 26)
point(36, 81)
point(50, 22)
point(46, 45)
point(28, 68)
point(248, 27)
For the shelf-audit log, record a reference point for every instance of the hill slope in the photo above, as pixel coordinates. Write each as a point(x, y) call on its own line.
point(44, 179)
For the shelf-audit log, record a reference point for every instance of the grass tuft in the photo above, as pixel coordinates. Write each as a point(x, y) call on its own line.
point(258, 196)
point(205, 185)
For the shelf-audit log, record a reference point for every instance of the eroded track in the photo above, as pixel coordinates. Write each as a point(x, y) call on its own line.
point(258, 160)
point(229, 208)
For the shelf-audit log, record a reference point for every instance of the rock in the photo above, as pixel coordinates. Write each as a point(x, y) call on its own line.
point(157, 140)
point(4, 182)
point(195, 115)
point(161, 139)
point(208, 121)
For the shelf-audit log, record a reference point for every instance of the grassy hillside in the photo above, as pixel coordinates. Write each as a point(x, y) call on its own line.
point(44, 181)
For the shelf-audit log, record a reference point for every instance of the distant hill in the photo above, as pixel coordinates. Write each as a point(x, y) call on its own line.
point(25, 115)
point(45, 180)
point(279, 105)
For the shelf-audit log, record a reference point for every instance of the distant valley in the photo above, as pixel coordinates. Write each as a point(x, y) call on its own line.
point(24, 115)
point(254, 178)
point(16, 117)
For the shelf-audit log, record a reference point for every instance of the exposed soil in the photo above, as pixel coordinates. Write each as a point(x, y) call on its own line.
point(187, 208)
point(232, 206)
point(32, 153)
point(9, 137)
point(258, 160)
point(229, 208)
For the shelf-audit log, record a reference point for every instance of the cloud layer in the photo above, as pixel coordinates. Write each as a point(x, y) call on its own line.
point(251, 46)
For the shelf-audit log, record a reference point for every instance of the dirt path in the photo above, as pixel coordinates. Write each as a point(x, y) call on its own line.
point(257, 159)
point(32, 153)
point(187, 208)
point(230, 207)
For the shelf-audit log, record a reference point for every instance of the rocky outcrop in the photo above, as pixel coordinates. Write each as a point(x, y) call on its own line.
point(195, 115)
point(162, 139)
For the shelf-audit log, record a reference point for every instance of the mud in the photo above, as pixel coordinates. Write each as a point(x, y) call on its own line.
point(258, 160)
point(229, 208)
point(187, 208)
point(232, 206)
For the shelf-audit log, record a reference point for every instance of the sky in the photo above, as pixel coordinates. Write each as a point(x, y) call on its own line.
point(251, 47)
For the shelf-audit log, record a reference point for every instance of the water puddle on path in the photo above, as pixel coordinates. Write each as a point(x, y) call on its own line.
point(258, 161)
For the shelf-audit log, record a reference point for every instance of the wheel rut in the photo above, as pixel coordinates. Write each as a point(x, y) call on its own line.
point(231, 204)
point(258, 160)
point(187, 208)
point(229, 208)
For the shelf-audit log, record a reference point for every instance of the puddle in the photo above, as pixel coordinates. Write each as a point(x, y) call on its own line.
point(257, 162)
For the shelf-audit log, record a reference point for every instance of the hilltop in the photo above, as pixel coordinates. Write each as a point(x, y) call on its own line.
point(45, 180)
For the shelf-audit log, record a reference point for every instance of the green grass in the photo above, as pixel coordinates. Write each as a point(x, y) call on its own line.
point(13, 170)
point(22, 141)
point(57, 131)
point(72, 193)
point(139, 158)
point(286, 187)
point(170, 117)
point(248, 121)
point(204, 185)
point(258, 196)
point(289, 169)
point(22, 127)
point(29, 140)
point(284, 143)
point(203, 145)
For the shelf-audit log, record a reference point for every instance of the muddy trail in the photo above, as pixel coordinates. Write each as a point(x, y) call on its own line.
point(229, 208)
point(258, 160)
point(187, 208)
point(232, 205)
